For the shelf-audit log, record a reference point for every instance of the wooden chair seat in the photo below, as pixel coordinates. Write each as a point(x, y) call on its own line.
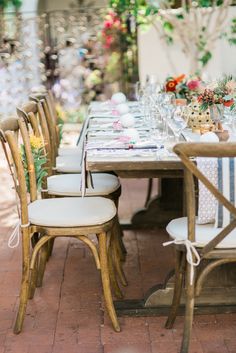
point(70, 185)
point(204, 233)
point(71, 211)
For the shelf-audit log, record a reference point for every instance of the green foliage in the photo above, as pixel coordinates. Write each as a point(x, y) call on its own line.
point(208, 3)
point(168, 27)
point(205, 57)
point(232, 34)
point(39, 161)
point(15, 3)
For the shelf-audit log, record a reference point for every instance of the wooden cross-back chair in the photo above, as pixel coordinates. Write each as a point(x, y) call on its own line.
point(205, 241)
point(51, 218)
point(49, 107)
point(69, 185)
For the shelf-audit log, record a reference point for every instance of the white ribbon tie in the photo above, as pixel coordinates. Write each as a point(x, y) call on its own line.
point(14, 239)
point(191, 251)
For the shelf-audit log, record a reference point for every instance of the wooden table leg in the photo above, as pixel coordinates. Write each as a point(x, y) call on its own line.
point(217, 296)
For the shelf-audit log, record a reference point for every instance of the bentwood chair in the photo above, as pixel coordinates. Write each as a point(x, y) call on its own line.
point(66, 184)
point(65, 159)
point(55, 217)
point(196, 242)
point(104, 184)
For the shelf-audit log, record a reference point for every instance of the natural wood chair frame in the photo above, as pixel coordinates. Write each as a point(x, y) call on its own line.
point(29, 112)
point(215, 257)
point(30, 257)
point(43, 105)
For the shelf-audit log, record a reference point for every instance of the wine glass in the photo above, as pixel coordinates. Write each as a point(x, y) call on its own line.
point(178, 122)
point(139, 90)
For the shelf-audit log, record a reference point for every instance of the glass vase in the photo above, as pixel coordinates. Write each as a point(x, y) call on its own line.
point(217, 113)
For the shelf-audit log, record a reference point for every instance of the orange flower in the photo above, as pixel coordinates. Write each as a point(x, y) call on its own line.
point(179, 78)
point(171, 85)
point(228, 103)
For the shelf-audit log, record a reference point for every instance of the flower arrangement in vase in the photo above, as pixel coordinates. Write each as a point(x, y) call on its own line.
point(217, 95)
point(183, 87)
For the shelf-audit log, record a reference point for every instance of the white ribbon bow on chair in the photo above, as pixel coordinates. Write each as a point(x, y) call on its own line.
point(14, 238)
point(190, 252)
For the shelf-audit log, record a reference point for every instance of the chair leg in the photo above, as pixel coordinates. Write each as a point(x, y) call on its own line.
point(24, 294)
point(114, 283)
point(180, 262)
point(189, 308)
point(43, 257)
point(50, 247)
point(106, 281)
point(120, 235)
point(33, 279)
point(115, 246)
point(122, 247)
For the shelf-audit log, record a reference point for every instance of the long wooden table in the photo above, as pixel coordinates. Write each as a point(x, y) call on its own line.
point(168, 204)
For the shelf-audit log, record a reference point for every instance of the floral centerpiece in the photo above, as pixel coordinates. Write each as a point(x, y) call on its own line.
point(39, 156)
point(219, 92)
point(183, 87)
point(218, 95)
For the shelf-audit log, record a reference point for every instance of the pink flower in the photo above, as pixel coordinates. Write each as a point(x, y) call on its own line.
point(108, 41)
point(193, 85)
point(107, 24)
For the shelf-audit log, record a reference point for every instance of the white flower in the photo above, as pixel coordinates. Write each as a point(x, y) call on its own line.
point(212, 85)
point(231, 86)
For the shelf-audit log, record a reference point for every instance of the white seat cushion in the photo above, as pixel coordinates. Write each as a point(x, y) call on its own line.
point(70, 184)
point(68, 164)
point(70, 151)
point(71, 211)
point(178, 229)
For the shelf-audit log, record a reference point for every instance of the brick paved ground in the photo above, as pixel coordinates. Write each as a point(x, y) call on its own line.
point(67, 316)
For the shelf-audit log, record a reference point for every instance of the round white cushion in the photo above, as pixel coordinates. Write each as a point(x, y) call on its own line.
point(68, 164)
point(178, 229)
point(70, 151)
point(70, 184)
point(71, 211)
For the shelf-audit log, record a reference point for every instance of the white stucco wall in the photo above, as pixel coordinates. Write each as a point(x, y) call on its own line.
point(156, 58)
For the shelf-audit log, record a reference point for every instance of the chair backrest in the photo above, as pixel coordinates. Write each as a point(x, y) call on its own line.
point(49, 108)
point(186, 152)
point(9, 128)
point(33, 114)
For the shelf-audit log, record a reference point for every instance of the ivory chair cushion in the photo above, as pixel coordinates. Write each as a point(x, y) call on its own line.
point(68, 164)
point(70, 151)
point(70, 184)
point(71, 211)
point(178, 230)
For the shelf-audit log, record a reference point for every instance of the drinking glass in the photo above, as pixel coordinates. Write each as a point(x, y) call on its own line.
point(139, 90)
point(158, 128)
point(178, 122)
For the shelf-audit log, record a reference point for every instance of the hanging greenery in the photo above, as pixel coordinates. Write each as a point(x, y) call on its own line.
point(186, 23)
point(15, 3)
point(232, 34)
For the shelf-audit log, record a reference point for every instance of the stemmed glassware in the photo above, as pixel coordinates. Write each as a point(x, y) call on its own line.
point(178, 122)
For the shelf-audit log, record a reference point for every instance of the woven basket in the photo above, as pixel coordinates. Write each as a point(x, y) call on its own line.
point(197, 117)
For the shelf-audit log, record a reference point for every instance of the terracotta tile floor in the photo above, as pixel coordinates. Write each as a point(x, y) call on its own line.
point(67, 313)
